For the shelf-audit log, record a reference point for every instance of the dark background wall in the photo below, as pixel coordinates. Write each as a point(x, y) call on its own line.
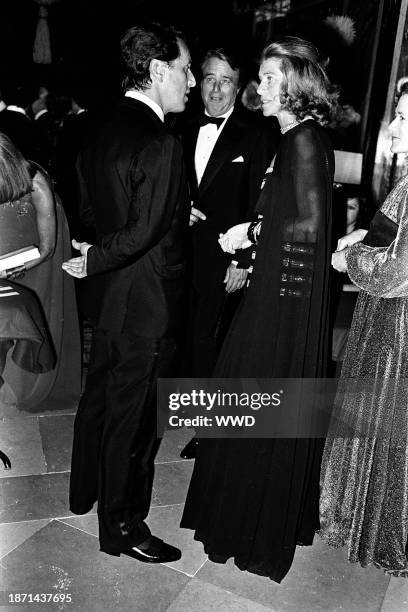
point(85, 33)
point(85, 38)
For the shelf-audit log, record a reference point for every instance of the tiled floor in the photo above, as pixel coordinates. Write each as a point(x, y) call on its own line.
point(46, 549)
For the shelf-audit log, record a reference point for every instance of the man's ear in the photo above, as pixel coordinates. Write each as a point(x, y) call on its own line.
point(157, 70)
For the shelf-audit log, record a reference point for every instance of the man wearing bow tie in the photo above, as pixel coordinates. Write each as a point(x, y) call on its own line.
point(227, 150)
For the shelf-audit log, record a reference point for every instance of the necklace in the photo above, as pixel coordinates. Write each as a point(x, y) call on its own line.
point(289, 126)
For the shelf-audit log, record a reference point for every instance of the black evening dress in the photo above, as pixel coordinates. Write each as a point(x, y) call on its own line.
point(256, 499)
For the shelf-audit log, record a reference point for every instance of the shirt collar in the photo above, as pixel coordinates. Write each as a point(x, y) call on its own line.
point(141, 97)
point(40, 113)
point(16, 109)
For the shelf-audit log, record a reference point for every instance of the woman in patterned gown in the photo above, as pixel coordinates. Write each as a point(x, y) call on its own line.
point(364, 477)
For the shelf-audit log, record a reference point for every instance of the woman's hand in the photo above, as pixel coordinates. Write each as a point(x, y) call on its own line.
point(338, 261)
point(235, 238)
point(14, 273)
point(346, 241)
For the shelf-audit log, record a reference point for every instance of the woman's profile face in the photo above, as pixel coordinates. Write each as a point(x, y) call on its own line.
point(353, 207)
point(399, 127)
point(269, 89)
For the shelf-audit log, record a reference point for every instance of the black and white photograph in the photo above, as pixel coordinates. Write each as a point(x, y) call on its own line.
point(204, 305)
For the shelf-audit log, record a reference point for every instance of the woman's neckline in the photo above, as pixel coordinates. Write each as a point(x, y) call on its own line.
point(293, 124)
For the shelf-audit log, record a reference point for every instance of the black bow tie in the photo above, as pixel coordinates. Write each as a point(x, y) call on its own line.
point(205, 120)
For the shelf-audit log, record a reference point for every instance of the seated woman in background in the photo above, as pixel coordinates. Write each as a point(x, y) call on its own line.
point(29, 215)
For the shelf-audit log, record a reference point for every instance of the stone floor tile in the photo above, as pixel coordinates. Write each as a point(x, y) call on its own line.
point(396, 596)
point(14, 534)
point(56, 434)
point(164, 522)
point(173, 443)
point(320, 580)
point(203, 597)
point(59, 558)
point(87, 523)
point(171, 482)
point(21, 441)
point(10, 411)
point(28, 498)
point(248, 586)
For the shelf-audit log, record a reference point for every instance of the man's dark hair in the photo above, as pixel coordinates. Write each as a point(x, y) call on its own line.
point(17, 94)
point(140, 45)
point(226, 55)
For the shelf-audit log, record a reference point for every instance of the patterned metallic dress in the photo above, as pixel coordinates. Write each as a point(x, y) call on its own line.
point(364, 477)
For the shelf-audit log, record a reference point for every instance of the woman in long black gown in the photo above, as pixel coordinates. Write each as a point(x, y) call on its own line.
point(254, 500)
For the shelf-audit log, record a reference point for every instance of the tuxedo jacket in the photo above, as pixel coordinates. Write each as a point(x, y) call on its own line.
point(45, 131)
point(69, 142)
point(134, 193)
point(229, 188)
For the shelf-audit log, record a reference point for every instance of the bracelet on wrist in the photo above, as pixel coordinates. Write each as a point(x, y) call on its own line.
point(250, 232)
point(253, 231)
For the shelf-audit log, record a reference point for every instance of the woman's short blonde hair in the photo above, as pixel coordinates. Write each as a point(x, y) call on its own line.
point(305, 90)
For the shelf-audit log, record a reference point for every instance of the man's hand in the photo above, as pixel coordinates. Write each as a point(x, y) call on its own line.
point(77, 265)
point(338, 261)
point(350, 239)
point(196, 215)
point(235, 238)
point(235, 278)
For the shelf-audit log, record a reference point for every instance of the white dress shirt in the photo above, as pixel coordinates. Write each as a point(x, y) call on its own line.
point(40, 113)
point(138, 95)
point(207, 137)
point(16, 109)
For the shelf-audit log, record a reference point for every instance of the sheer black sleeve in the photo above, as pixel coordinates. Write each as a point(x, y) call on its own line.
point(309, 170)
point(307, 215)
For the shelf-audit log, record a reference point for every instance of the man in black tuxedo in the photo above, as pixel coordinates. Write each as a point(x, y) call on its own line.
point(227, 151)
point(69, 142)
point(135, 192)
point(16, 124)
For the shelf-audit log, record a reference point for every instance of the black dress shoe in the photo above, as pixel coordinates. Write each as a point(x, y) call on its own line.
point(190, 449)
point(156, 551)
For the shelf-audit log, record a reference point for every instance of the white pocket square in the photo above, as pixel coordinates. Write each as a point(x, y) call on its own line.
point(238, 159)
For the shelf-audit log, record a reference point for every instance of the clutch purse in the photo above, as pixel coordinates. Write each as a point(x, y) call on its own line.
point(17, 258)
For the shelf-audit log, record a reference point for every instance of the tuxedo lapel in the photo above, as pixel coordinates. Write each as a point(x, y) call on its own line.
point(190, 141)
point(222, 152)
